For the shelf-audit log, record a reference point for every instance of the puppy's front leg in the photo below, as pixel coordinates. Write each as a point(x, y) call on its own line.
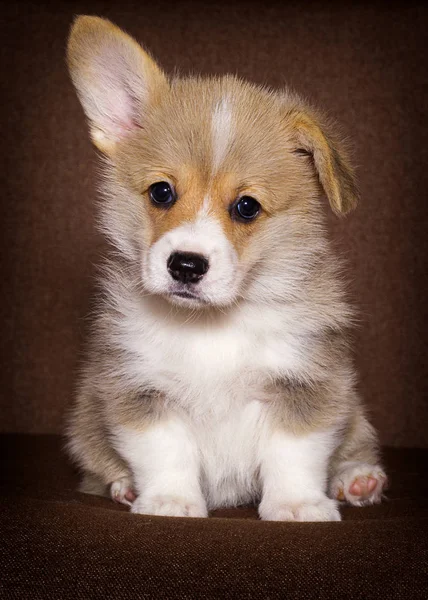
point(164, 462)
point(293, 471)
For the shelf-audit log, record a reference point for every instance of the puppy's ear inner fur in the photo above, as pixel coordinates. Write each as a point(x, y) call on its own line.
point(334, 170)
point(114, 77)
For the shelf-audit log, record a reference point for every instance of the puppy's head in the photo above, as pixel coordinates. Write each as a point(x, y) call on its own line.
point(212, 184)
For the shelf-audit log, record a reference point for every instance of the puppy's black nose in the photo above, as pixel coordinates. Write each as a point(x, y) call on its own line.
point(187, 268)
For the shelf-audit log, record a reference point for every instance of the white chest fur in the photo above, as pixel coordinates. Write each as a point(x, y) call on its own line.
point(209, 365)
point(213, 374)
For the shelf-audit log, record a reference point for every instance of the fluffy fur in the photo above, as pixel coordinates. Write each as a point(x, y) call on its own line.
point(244, 391)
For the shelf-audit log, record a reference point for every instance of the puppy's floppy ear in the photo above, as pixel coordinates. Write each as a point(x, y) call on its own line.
point(330, 159)
point(115, 79)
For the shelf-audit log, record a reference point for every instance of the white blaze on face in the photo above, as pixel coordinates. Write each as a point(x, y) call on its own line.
point(222, 132)
point(203, 236)
point(206, 206)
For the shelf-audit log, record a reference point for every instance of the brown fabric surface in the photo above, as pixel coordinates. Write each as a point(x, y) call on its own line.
point(57, 543)
point(365, 63)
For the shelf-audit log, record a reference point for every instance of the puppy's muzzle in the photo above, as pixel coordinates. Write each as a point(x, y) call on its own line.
point(187, 268)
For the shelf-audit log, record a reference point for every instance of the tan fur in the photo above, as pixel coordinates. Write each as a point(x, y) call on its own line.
point(279, 125)
point(194, 192)
point(283, 154)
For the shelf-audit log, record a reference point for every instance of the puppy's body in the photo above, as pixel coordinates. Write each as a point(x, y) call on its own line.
point(215, 388)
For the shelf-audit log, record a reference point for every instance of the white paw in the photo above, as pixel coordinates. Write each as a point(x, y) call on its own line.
point(121, 491)
point(170, 506)
point(358, 483)
point(324, 509)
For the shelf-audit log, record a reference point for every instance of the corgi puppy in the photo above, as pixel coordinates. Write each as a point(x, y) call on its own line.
point(219, 371)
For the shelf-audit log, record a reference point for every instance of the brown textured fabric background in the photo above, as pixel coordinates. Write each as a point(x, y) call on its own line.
point(58, 544)
point(365, 64)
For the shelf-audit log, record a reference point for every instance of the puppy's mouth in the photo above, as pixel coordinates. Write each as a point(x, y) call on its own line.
point(185, 295)
point(187, 299)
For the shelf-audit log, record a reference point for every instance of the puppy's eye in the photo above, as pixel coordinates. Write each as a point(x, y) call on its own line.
point(245, 209)
point(162, 194)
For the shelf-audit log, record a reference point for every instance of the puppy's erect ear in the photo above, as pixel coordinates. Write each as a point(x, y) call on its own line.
point(115, 79)
point(330, 159)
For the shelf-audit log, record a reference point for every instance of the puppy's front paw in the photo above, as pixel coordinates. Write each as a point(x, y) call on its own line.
point(170, 506)
point(359, 484)
point(324, 509)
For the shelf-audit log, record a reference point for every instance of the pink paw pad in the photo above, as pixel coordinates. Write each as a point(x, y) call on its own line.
point(130, 496)
point(122, 492)
point(359, 484)
point(363, 486)
point(124, 496)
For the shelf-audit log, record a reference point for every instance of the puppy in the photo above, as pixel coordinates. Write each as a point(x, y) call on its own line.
point(218, 372)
